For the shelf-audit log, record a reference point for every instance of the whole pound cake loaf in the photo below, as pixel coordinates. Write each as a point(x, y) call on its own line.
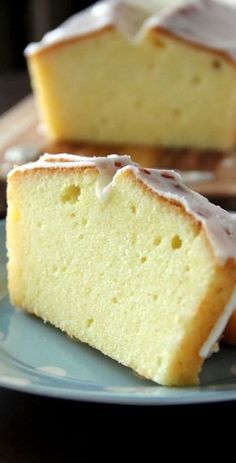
point(126, 259)
point(153, 73)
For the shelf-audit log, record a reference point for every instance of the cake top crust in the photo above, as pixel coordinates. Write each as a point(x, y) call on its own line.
point(209, 23)
point(219, 225)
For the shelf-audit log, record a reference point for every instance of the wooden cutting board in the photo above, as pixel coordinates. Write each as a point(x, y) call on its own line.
point(211, 173)
point(19, 126)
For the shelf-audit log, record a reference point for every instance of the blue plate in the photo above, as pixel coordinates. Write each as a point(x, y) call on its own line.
point(37, 358)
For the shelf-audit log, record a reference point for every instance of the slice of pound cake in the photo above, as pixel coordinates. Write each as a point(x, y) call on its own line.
point(126, 259)
point(152, 73)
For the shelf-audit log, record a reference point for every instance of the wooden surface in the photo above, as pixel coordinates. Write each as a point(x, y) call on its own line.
point(211, 173)
point(19, 126)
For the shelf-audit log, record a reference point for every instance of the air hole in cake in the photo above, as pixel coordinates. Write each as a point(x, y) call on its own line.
point(64, 269)
point(158, 362)
point(177, 112)
point(54, 269)
point(196, 80)
point(176, 242)
point(72, 215)
point(70, 194)
point(155, 297)
point(133, 239)
point(216, 64)
point(89, 322)
point(138, 104)
point(143, 259)
point(133, 209)
point(187, 268)
point(84, 221)
point(39, 224)
point(157, 240)
point(114, 300)
point(81, 237)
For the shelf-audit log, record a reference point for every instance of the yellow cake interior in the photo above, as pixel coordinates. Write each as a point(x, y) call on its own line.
point(159, 91)
point(132, 275)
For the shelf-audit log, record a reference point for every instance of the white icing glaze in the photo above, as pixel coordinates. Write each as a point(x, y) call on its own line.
point(219, 225)
point(90, 20)
point(219, 327)
point(209, 23)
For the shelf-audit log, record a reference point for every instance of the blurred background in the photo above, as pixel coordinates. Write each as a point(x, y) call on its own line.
point(22, 22)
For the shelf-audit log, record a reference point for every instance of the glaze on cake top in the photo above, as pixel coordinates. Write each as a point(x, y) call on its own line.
point(219, 225)
point(209, 23)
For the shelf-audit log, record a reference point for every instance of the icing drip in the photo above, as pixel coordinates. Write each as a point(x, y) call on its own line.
point(219, 327)
point(106, 174)
point(219, 225)
point(209, 23)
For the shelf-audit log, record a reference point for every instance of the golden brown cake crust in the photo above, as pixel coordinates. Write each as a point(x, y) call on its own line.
point(41, 170)
point(64, 43)
point(205, 319)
